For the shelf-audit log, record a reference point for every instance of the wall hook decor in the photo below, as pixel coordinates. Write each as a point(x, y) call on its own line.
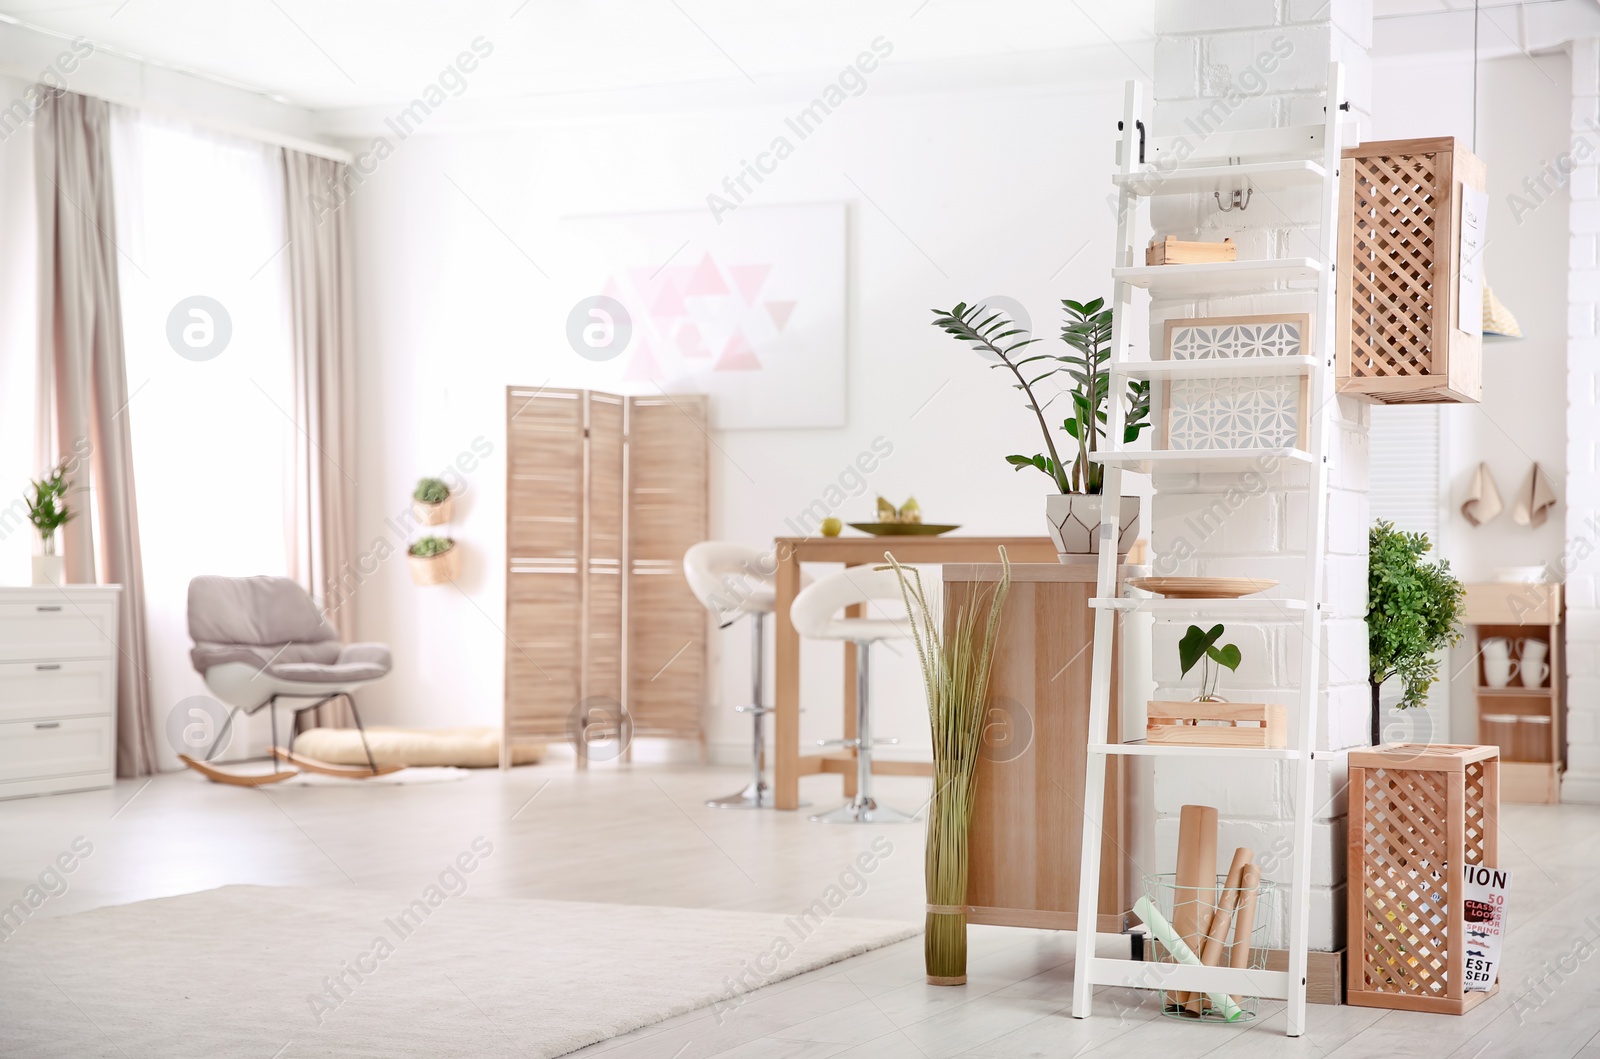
point(1239, 201)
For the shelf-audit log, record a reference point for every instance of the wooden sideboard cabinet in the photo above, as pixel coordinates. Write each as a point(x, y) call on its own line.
point(1027, 821)
point(58, 689)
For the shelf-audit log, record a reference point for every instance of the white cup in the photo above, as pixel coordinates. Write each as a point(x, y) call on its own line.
point(1534, 668)
point(1498, 665)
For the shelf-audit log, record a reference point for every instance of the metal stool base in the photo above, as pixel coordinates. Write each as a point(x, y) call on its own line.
point(862, 810)
point(754, 796)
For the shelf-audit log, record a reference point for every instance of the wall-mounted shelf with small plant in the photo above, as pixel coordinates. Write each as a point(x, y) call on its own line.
point(431, 502)
point(434, 560)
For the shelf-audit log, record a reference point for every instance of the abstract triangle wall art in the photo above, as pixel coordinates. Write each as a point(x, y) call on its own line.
point(707, 280)
point(738, 356)
point(642, 367)
point(780, 313)
point(750, 313)
point(749, 279)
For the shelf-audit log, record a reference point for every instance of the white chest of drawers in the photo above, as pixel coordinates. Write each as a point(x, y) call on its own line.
point(58, 688)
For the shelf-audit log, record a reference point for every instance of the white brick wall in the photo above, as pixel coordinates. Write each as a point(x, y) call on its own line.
point(1581, 782)
point(1275, 56)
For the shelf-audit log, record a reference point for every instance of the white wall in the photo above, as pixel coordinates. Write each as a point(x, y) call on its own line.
point(982, 193)
point(1524, 110)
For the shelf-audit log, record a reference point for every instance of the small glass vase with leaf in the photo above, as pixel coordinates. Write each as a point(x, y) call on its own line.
point(1209, 719)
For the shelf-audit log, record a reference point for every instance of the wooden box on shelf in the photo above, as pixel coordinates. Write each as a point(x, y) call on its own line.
point(1419, 815)
point(1248, 724)
point(1524, 721)
point(1172, 251)
point(1402, 299)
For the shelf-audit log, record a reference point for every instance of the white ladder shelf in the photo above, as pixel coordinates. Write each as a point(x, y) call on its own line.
point(1222, 161)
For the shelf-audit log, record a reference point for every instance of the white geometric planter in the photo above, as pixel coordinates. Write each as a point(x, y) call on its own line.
point(1075, 524)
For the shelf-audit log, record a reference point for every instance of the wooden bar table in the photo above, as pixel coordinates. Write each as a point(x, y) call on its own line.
point(789, 764)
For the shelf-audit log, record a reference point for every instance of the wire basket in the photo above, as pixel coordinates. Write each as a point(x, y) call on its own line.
point(1200, 908)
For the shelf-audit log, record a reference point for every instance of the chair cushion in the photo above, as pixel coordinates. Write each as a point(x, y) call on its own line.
point(358, 661)
point(466, 747)
point(207, 654)
point(259, 611)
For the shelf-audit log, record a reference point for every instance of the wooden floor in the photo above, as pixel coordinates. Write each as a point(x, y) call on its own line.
point(641, 836)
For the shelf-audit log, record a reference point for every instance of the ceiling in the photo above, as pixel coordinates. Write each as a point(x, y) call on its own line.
point(326, 54)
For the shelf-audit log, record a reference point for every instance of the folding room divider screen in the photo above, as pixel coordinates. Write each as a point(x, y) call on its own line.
point(604, 640)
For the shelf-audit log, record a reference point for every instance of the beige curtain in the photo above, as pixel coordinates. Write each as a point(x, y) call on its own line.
point(83, 386)
point(324, 394)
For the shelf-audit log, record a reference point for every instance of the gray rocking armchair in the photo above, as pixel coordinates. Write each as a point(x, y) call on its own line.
point(261, 639)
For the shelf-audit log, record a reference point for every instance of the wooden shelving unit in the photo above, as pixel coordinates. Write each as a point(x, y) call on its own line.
point(1525, 723)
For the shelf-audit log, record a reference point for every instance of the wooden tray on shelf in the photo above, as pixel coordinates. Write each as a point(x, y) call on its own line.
point(1202, 587)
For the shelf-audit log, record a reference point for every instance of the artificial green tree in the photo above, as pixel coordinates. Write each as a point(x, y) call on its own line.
point(1413, 613)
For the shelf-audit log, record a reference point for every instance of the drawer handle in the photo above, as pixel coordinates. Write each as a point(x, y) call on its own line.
point(48, 665)
point(48, 724)
point(53, 606)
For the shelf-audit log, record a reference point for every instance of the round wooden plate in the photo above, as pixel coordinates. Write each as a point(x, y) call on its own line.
point(1202, 587)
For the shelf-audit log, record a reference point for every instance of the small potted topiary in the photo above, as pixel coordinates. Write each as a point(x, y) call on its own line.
point(434, 560)
point(431, 503)
point(1413, 613)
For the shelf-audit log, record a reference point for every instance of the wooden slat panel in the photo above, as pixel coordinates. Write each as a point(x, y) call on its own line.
point(667, 627)
point(604, 528)
point(544, 467)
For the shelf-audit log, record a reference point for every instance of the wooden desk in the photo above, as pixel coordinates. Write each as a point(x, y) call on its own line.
point(1024, 846)
point(789, 764)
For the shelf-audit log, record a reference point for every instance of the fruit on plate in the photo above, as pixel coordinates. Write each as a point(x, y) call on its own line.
point(831, 527)
point(909, 513)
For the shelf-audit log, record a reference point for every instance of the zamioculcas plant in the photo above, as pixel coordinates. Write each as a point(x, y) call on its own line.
point(1198, 647)
point(1087, 331)
point(1413, 612)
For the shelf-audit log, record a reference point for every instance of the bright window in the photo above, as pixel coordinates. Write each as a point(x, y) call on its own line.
point(200, 233)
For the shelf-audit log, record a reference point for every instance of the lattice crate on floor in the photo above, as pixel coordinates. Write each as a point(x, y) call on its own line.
point(1419, 814)
point(1399, 268)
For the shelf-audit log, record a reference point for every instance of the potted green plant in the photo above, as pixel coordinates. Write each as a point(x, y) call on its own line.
point(48, 511)
point(1209, 720)
point(431, 503)
point(434, 560)
point(1199, 647)
point(1073, 510)
point(1413, 612)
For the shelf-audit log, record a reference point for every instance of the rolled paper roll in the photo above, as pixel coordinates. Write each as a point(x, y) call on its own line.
point(1244, 923)
point(1196, 879)
point(1216, 933)
point(1146, 911)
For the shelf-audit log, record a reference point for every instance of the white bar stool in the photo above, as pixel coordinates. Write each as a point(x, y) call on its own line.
point(732, 581)
point(814, 616)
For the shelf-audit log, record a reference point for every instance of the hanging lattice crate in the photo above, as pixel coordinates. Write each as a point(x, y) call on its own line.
point(1404, 294)
point(1419, 814)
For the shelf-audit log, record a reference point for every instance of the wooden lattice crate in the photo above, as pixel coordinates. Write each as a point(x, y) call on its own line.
point(1419, 814)
point(1399, 269)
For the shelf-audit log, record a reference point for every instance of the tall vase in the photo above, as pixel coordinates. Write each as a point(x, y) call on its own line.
point(955, 659)
point(48, 568)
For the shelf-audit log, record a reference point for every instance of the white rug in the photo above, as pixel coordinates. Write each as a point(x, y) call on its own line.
point(253, 971)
